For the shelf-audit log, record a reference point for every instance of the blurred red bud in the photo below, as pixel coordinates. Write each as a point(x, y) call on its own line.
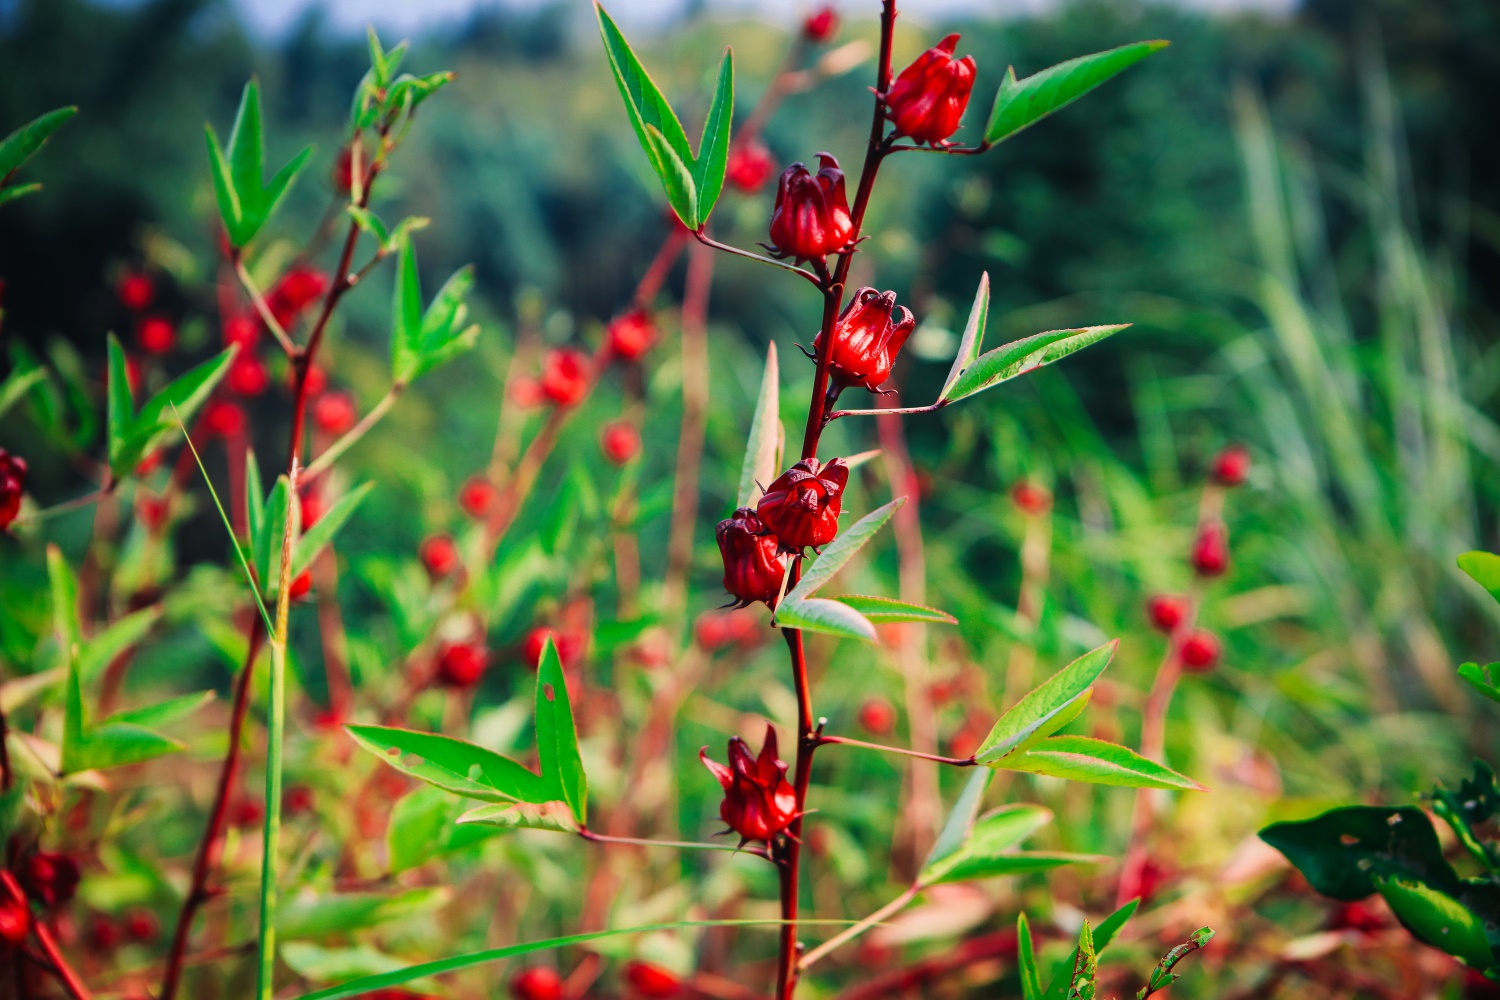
point(141, 926)
point(631, 335)
point(247, 375)
point(565, 376)
point(621, 441)
point(461, 664)
point(439, 555)
point(540, 982)
point(477, 497)
point(301, 586)
point(297, 800)
point(1231, 466)
point(1030, 499)
point(877, 716)
point(12, 486)
point(223, 418)
point(1199, 651)
point(242, 330)
point(15, 921)
point(50, 876)
point(156, 335)
point(136, 291)
point(1211, 549)
point(750, 165)
point(1166, 611)
point(335, 412)
point(821, 25)
point(652, 981)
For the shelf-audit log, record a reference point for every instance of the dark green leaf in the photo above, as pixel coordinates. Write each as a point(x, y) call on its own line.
point(120, 408)
point(16, 192)
point(1021, 103)
point(423, 827)
point(245, 200)
point(557, 737)
point(17, 384)
point(108, 643)
point(23, 143)
point(1085, 967)
point(160, 415)
point(163, 712)
point(1482, 679)
point(1344, 850)
point(1062, 973)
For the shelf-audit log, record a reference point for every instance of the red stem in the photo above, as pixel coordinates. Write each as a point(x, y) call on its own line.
point(790, 849)
point(72, 985)
point(213, 837)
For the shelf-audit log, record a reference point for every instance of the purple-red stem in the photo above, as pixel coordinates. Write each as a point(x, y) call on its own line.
point(72, 985)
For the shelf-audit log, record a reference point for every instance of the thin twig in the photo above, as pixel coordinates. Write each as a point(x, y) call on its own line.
point(850, 933)
point(333, 452)
point(261, 306)
point(694, 424)
point(707, 241)
point(935, 758)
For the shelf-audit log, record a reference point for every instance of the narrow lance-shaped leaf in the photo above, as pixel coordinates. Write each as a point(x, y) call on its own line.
point(452, 764)
point(1057, 988)
point(817, 614)
point(22, 144)
point(245, 199)
point(1026, 355)
point(676, 178)
point(886, 610)
point(1047, 708)
point(759, 466)
point(960, 822)
point(973, 338)
point(1083, 758)
point(713, 147)
point(17, 384)
point(314, 539)
point(997, 831)
point(181, 398)
point(557, 735)
point(843, 548)
point(1021, 103)
point(119, 410)
point(1031, 983)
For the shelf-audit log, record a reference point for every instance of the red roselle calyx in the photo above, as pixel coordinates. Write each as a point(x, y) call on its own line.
point(758, 800)
point(1231, 466)
point(477, 496)
point(569, 645)
point(621, 441)
point(929, 97)
point(12, 485)
point(15, 921)
point(1030, 499)
point(156, 335)
point(753, 563)
point(652, 981)
point(631, 335)
point(300, 586)
point(297, 289)
point(877, 716)
point(801, 507)
point(461, 664)
point(1199, 651)
point(50, 877)
point(335, 413)
point(811, 218)
point(868, 335)
point(821, 25)
point(439, 555)
point(223, 418)
point(536, 983)
point(1211, 549)
point(565, 376)
point(247, 376)
point(750, 165)
point(242, 330)
point(1166, 612)
point(136, 291)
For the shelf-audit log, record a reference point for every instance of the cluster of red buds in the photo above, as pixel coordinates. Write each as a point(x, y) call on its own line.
point(154, 333)
point(50, 877)
point(758, 800)
point(800, 509)
point(929, 97)
point(12, 485)
point(106, 933)
point(1199, 649)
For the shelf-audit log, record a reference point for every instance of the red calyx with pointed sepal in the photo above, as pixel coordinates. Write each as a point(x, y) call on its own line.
point(811, 217)
point(801, 508)
point(753, 563)
point(758, 800)
point(630, 335)
point(929, 97)
point(867, 336)
point(565, 377)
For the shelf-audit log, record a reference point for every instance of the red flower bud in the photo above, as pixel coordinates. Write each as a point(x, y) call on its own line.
point(565, 376)
point(223, 418)
point(867, 337)
point(156, 335)
point(247, 376)
point(539, 982)
point(439, 555)
point(50, 877)
point(1166, 611)
point(877, 716)
point(477, 496)
point(652, 981)
point(1030, 499)
point(12, 485)
point(136, 291)
point(715, 630)
point(103, 934)
point(758, 800)
point(753, 564)
point(343, 170)
point(811, 218)
point(300, 586)
point(242, 330)
point(335, 412)
point(1358, 916)
point(750, 165)
point(149, 464)
point(15, 921)
point(317, 380)
point(526, 393)
point(151, 510)
point(631, 335)
point(313, 506)
point(621, 441)
point(299, 288)
point(569, 645)
point(929, 97)
point(461, 664)
point(821, 25)
point(1211, 549)
point(801, 507)
point(1199, 651)
point(141, 926)
point(1231, 466)
point(297, 800)
point(247, 813)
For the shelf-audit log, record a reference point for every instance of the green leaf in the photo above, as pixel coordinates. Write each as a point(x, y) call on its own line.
point(336, 965)
point(843, 548)
point(1083, 758)
point(422, 341)
point(986, 853)
point(267, 544)
point(973, 338)
point(557, 737)
point(1031, 983)
point(163, 712)
point(1057, 987)
point(456, 765)
point(1482, 679)
point(1342, 851)
point(380, 70)
point(64, 592)
point(1085, 967)
point(1050, 706)
point(245, 199)
point(102, 647)
point(759, 466)
point(1484, 569)
point(676, 178)
point(1011, 863)
point(114, 745)
point(960, 822)
point(159, 417)
point(713, 147)
point(557, 816)
point(407, 92)
point(1162, 976)
point(1026, 355)
point(17, 385)
point(16, 192)
point(816, 614)
point(1021, 103)
point(24, 142)
point(119, 410)
point(997, 831)
point(422, 828)
point(310, 916)
point(885, 610)
point(1439, 920)
point(317, 537)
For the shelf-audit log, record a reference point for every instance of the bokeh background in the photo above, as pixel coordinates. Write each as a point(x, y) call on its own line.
point(1297, 205)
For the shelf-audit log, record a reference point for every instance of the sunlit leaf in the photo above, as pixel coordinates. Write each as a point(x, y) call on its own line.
point(1083, 758)
point(973, 338)
point(1050, 706)
point(557, 816)
point(557, 736)
point(886, 610)
point(1022, 356)
point(1021, 103)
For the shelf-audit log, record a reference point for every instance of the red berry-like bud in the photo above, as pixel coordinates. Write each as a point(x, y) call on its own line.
point(461, 664)
point(317, 380)
point(716, 630)
point(50, 877)
point(103, 934)
point(1232, 466)
point(1358, 916)
point(477, 497)
point(536, 983)
point(750, 165)
point(335, 412)
point(569, 645)
point(301, 586)
point(151, 510)
point(753, 564)
point(1211, 549)
point(12, 486)
point(247, 375)
point(565, 376)
point(929, 97)
point(223, 418)
point(156, 335)
point(136, 291)
point(877, 716)
point(1030, 499)
point(439, 555)
point(1166, 611)
point(866, 339)
point(15, 921)
point(313, 506)
point(811, 217)
point(526, 393)
point(242, 330)
point(297, 289)
point(141, 926)
point(1199, 651)
point(821, 25)
point(247, 813)
point(297, 800)
point(621, 441)
point(652, 981)
point(758, 800)
point(801, 507)
point(631, 335)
